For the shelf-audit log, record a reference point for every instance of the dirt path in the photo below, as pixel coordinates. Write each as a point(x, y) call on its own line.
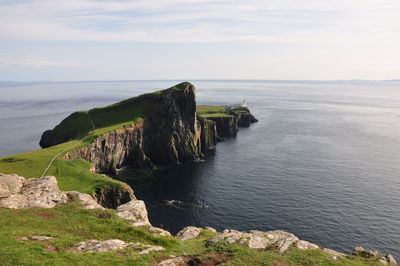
point(69, 148)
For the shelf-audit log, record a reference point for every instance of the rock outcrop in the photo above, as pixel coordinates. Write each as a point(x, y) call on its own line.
point(111, 245)
point(134, 210)
point(281, 240)
point(17, 192)
point(189, 232)
point(366, 253)
point(87, 200)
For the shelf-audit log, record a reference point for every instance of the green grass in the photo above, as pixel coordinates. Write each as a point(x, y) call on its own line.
point(206, 111)
point(70, 224)
point(71, 175)
point(32, 164)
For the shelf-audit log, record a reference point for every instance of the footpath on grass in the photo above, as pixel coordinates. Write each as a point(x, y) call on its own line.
point(69, 148)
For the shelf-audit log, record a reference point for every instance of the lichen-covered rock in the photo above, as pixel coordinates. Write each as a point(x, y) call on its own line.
point(189, 232)
point(10, 185)
point(151, 249)
point(256, 239)
point(41, 238)
point(34, 193)
point(305, 245)
point(387, 260)
point(99, 246)
point(159, 231)
point(88, 201)
point(365, 253)
point(134, 210)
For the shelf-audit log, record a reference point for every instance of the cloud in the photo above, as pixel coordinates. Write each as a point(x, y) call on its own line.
point(286, 21)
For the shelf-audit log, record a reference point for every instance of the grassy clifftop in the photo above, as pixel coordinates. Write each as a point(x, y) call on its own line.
point(69, 224)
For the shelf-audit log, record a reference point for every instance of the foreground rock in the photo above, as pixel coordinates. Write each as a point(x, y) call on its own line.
point(88, 201)
point(189, 232)
point(110, 245)
point(17, 192)
point(281, 240)
point(134, 210)
point(366, 253)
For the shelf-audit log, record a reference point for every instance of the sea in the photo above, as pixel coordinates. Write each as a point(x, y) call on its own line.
point(323, 162)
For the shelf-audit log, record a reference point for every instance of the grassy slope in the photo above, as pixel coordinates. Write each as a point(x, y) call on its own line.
point(212, 111)
point(70, 225)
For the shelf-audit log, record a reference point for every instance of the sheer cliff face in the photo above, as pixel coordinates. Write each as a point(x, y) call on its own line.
point(169, 134)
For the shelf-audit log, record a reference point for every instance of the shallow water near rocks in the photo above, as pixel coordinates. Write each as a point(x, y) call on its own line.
point(322, 163)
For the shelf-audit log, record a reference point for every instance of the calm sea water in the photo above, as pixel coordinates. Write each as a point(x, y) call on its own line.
point(322, 163)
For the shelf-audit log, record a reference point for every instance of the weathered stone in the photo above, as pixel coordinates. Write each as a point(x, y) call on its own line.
point(387, 259)
point(334, 254)
point(365, 253)
point(41, 238)
point(99, 246)
point(159, 231)
point(305, 245)
point(178, 261)
point(151, 249)
point(134, 210)
point(256, 239)
point(88, 201)
point(189, 232)
point(36, 193)
point(10, 185)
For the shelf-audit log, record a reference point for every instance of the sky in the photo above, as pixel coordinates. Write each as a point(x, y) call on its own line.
point(71, 40)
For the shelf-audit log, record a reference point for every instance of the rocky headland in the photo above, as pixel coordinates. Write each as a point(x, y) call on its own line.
point(144, 132)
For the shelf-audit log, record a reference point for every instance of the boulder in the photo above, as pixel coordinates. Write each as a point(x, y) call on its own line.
point(134, 210)
point(31, 193)
point(88, 201)
point(305, 245)
point(159, 231)
point(10, 185)
point(189, 232)
point(387, 260)
point(365, 253)
point(151, 249)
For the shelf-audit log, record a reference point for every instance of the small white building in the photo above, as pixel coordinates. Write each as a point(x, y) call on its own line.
point(234, 106)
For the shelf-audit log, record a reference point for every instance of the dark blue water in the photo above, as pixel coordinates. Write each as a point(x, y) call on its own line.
point(322, 163)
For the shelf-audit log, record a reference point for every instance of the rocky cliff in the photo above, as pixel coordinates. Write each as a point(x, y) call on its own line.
point(170, 133)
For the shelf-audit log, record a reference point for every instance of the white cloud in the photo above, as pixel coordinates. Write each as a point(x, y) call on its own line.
point(292, 21)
